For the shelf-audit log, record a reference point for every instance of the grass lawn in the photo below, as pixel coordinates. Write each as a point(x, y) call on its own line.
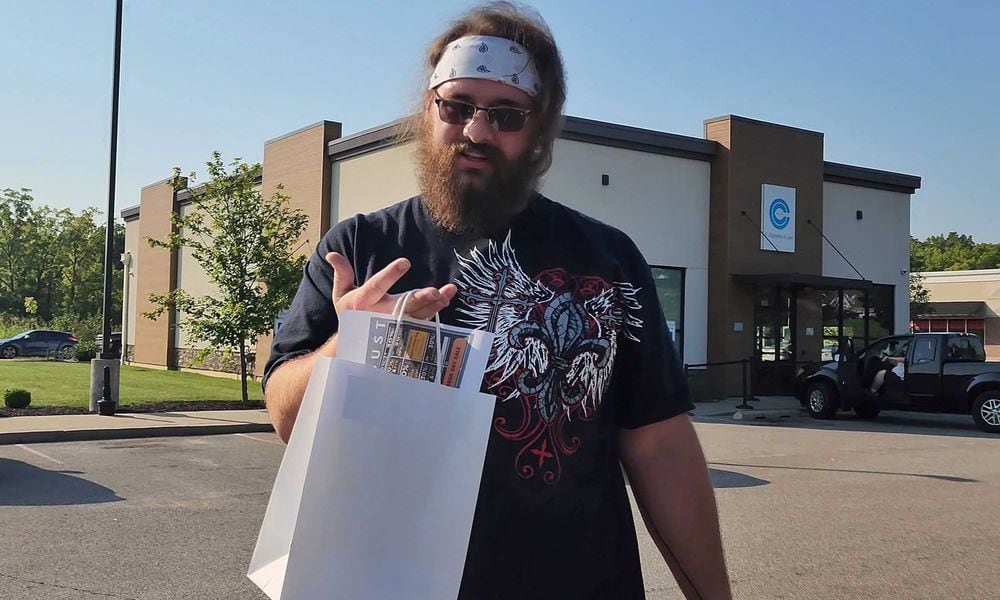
point(55, 383)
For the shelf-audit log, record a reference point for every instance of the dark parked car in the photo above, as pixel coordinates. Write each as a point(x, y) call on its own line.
point(38, 342)
point(116, 343)
point(941, 372)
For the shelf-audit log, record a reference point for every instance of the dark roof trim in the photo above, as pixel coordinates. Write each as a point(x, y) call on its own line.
point(184, 196)
point(130, 213)
point(365, 141)
point(961, 310)
point(634, 138)
point(574, 128)
point(870, 178)
point(803, 280)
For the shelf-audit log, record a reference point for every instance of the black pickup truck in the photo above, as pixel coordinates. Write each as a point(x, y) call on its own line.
point(926, 372)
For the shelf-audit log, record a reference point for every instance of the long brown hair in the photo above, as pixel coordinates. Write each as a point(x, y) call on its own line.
point(526, 27)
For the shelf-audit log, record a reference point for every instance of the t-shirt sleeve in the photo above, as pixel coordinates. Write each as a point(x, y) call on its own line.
point(648, 371)
point(311, 318)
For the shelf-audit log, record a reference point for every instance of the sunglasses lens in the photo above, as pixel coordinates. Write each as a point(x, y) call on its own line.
point(454, 113)
point(508, 119)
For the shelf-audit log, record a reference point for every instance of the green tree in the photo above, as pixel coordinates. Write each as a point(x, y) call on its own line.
point(55, 257)
point(247, 246)
point(15, 216)
point(952, 252)
point(920, 297)
point(81, 240)
point(44, 258)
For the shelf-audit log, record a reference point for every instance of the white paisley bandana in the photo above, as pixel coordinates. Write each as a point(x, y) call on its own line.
point(487, 57)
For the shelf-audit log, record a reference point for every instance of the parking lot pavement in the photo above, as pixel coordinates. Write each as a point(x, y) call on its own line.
point(144, 519)
point(901, 510)
point(889, 421)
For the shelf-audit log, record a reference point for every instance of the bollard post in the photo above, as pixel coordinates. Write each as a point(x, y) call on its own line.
point(106, 405)
point(746, 404)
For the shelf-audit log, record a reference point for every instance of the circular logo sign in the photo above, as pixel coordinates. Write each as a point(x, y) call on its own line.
point(779, 213)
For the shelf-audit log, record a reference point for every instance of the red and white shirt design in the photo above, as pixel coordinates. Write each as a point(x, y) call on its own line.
point(556, 336)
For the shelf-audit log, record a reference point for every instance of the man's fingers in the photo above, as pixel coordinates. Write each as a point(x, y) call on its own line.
point(428, 301)
point(373, 290)
point(343, 274)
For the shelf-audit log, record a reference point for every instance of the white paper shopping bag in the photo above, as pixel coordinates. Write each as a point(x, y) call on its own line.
point(376, 492)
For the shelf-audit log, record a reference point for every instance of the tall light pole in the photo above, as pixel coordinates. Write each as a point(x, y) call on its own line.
point(106, 367)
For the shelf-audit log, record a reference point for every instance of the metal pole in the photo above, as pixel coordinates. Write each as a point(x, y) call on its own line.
point(745, 405)
point(109, 239)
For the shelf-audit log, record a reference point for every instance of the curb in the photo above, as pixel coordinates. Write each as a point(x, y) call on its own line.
point(81, 435)
point(766, 413)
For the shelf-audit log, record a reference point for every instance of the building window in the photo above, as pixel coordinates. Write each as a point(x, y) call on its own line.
point(976, 327)
point(882, 304)
point(669, 282)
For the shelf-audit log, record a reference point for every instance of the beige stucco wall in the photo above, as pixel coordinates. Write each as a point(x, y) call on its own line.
point(878, 245)
point(660, 201)
point(132, 248)
point(372, 181)
point(191, 278)
point(965, 286)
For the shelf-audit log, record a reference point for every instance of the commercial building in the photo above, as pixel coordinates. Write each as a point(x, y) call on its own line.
point(760, 248)
point(964, 302)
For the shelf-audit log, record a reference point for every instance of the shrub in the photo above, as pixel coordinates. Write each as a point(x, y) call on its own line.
point(83, 329)
point(85, 350)
point(16, 398)
point(13, 325)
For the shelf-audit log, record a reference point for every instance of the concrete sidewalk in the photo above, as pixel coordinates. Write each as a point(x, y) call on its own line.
point(69, 428)
point(765, 407)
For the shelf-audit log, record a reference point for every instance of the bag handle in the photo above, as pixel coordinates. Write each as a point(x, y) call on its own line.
point(398, 311)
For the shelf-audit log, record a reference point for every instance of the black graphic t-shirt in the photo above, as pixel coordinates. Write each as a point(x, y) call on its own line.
point(581, 350)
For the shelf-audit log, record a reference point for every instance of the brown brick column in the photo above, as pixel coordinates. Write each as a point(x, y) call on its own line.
point(298, 161)
point(751, 154)
point(154, 339)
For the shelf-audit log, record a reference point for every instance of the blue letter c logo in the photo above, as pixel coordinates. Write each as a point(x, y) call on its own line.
point(779, 213)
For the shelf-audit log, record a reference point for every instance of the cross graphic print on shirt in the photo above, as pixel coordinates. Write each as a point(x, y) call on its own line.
point(554, 348)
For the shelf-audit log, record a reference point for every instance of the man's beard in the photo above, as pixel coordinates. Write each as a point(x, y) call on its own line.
point(479, 203)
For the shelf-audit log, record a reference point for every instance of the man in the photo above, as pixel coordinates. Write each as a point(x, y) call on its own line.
point(893, 362)
point(585, 376)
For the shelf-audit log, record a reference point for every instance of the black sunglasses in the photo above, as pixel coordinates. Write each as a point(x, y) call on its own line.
point(504, 118)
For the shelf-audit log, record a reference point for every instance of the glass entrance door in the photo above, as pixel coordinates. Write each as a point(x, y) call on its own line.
point(774, 340)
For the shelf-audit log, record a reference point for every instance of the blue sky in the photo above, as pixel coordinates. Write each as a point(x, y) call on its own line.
point(908, 86)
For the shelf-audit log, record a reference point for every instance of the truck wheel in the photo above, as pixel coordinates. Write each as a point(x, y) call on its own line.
point(821, 400)
point(867, 411)
point(986, 411)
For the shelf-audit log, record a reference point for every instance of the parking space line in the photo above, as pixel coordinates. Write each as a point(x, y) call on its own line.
point(45, 456)
point(249, 437)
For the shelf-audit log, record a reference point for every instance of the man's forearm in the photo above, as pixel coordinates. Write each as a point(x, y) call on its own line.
point(669, 477)
point(287, 386)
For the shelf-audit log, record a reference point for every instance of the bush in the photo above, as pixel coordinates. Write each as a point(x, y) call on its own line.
point(12, 325)
point(85, 350)
point(16, 398)
point(83, 329)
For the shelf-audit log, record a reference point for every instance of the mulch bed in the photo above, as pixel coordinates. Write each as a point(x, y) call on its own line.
point(155, 407)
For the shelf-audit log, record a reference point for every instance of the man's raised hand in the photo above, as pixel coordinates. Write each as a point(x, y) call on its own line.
point(373, 295)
